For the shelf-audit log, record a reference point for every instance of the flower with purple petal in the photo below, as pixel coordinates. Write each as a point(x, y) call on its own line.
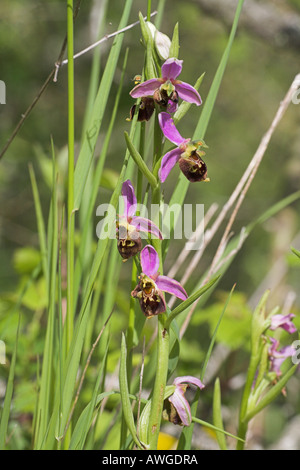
point(167, 89)
point(151, 286)
point(283, 321)
point(129, 225)
point(188, 154)
point(176, 407)
point(277, 357)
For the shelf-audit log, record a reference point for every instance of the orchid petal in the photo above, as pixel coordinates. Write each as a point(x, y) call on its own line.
point(146, 88)
point(145, 225)
point(149, 260)
point(188, 93)
point(189, 379)
point(129, 198)
point(171, 286)
point(283, 321)
point(169, 160)
point(171, 68)
point(182, 407)
point(169, 129)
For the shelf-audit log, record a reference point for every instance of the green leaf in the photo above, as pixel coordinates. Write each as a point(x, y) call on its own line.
point(296, 252)
point(213, 339)
point(190, 300)
point(214, 428)
point(207, 109)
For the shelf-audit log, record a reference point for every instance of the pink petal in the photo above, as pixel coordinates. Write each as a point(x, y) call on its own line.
point(171, 286)
point(182, 407)
point(149, 261)
point(146, 88)
point(169, 129)
point(188, 93)
point(146, 225)
point(171, 69)
point(189, 379)
point(129, 198)
point(169, 160)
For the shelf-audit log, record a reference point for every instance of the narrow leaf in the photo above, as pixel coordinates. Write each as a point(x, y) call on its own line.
point(174, 48)
point(186, 303)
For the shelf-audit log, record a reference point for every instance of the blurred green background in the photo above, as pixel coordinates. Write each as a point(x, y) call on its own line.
point(258, 75)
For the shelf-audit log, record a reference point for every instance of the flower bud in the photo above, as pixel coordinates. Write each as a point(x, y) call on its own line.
point(162, 41)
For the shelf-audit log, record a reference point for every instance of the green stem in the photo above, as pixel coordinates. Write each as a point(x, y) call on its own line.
point(71, 139)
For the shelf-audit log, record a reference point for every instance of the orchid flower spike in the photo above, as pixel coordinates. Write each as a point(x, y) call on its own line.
point(188, 154)
point(167, 89)
point(129, 225)
point(176, 407)
point(151, 286)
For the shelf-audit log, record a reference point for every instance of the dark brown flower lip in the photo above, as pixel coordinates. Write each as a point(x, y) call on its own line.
point(193, 168)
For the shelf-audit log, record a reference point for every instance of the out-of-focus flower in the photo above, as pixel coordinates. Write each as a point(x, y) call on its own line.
point(167, 89)
point(129, 225)
point(151, 286)
point(145, 109)
point(283, 321)
point(176, 407)
point(161, 41)
point(278, 356)
point(188, 154)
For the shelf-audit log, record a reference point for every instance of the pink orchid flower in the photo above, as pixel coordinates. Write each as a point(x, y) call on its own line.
point(180, 411)
point(188, 154)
